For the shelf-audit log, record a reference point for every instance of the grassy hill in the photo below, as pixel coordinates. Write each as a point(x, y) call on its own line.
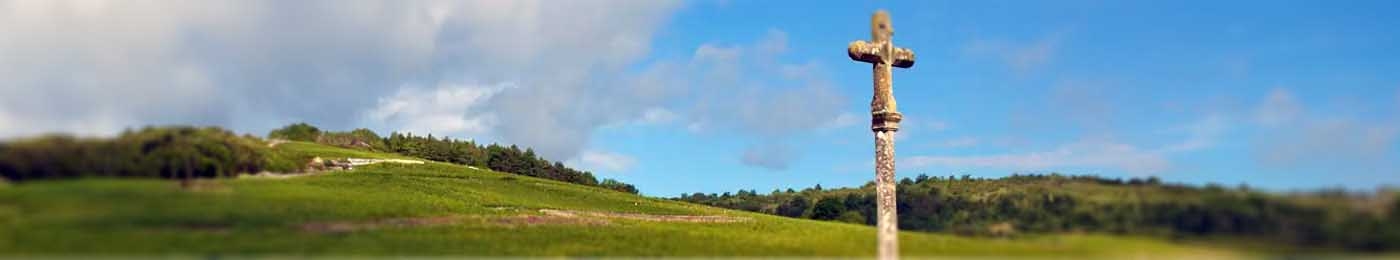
point(446, 209)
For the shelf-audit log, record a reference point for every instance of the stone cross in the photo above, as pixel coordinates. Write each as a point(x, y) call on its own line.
point(884, 121)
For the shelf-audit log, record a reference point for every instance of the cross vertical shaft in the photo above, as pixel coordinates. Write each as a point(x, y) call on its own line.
point(888, 223)
point(884, 121)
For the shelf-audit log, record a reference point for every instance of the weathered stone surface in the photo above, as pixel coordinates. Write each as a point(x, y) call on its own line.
point(872, 53)
point(884, 121)
point(888, 222)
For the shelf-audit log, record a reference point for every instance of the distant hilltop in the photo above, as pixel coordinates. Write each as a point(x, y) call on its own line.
point(184, 153)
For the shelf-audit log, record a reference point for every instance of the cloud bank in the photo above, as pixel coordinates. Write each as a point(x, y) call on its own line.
point(1291, 137)
point(541, 74)
point(95, 67)
point(735, 95)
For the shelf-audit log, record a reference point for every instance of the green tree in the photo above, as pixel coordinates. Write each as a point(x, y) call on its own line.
point(794, 208)
point(853, 217)
point(1395, 211)
point(296, 132)
point(828, 208)
point(618, 186)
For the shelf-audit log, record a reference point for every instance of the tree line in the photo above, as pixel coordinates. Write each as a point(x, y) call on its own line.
point(510, 159)
point(1055, 203)
point(168, 152)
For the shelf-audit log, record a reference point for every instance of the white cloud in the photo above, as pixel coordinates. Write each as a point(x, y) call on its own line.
point(1283, 136)
point(772, 156)
point(657, 115)
point(799, 71)
point(1082, 153)
point(1102, 153)
point(960, 142)
point(595, 160)
point(95, 67)
point(41, 91)
point(1021, 57)
point(774, 43)
point(446, 109)
point(132, 63)
point(577, 80)
point(1278, 108)
point(695, 127)
point(1338, 143)
point(711, 53)
point(1292, 138)
point(844, 120)
point(937, 125)
point(1203, 133)
point(735, 93)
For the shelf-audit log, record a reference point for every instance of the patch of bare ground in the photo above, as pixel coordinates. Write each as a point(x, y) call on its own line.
point(278, 176)
point(349, 226)
point(318, 166)
point(537, 220)
point(645, 217)
point(209, 186)
point(274, 142)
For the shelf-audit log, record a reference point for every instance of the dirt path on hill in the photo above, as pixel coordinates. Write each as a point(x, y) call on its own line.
point(274, 142)
point(347, 163)
point(549, 217)
point(349, 226)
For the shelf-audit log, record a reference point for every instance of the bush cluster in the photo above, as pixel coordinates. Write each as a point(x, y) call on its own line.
point(167, 152)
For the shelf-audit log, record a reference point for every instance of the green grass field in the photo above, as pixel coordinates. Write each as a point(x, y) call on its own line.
point(441, 209)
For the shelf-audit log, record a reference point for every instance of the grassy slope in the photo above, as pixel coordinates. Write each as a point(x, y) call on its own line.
point(263, 216)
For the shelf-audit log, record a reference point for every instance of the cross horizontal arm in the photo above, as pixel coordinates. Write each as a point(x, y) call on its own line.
point(871, 53)
point(903, 58)
point(864, 51)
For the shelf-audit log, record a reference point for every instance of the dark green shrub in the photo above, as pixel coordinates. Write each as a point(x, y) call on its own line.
point(828, 208)
point(167, 152)
point(296, 132)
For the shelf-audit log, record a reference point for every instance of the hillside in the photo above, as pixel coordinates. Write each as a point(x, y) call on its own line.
point(446, 209)
point(1051, 204)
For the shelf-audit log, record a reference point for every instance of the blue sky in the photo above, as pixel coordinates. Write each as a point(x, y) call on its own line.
point(680, 97)
point(1275, 95)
